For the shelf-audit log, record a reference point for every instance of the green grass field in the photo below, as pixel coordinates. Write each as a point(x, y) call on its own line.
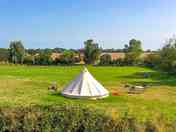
point(28, 85)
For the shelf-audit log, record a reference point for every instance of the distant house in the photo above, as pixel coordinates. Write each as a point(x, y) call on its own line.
point(115, 55)
point(121, 55)
point(55, 56)
point(144, 55)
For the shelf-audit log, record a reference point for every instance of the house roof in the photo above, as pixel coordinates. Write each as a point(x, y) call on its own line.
point(115, 55)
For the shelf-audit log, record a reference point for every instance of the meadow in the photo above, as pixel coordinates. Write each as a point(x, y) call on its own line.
point(22, 86)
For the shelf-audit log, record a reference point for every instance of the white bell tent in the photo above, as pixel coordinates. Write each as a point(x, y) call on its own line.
point(84, 85)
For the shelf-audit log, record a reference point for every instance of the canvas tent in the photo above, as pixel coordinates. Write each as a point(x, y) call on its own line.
point(84, 85)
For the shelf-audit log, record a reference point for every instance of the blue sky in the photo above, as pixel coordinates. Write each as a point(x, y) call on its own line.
point(67, 23)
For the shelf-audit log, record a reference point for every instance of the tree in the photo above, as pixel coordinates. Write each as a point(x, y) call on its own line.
point(44, 57)
point(68, 57)
point(105, 59)
point(17, 52)
point(133, 51)
point(168, 56)
point(31, 57)
point(58, 50)
point(125, 48)
point(152, 60)
point(4, 54)
point(134, 46)
point(91, 52)
point(28, 59)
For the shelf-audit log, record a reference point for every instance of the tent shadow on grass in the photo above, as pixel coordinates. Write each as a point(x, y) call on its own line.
point(54, 97)
point(154, 79)
point(108, 99)
point(58, 94)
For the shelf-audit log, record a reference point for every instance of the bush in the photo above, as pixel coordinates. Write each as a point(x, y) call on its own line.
point(105, 59)
point(4, 55)
point(73, 119)
point(118, 62)
point(28, 60)
point(132, 58)
point(152, 60)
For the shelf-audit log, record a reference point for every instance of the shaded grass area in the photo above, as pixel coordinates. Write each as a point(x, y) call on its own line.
point(154, 79)
point(28, 85)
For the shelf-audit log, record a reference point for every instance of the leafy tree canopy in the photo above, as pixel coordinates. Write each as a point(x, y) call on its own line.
point(134, 46)
point(133, 51)
point(4, 54)
point(168, 56)
point(91, 51)
point(17, 51)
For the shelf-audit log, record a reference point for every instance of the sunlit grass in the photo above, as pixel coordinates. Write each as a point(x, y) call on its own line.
point(28, 85)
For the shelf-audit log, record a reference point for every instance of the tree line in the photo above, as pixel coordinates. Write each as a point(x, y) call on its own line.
point(17, 54)
point(163, 59)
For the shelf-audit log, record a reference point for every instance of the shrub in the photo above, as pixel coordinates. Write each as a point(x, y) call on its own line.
point(152, 60)
point(73, 119)
point(105, 59)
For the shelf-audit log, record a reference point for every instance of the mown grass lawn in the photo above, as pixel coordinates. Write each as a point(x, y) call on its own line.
point(28, 85)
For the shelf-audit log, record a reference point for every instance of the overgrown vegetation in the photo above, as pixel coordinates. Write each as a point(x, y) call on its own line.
point(164, 59)
point(74, 119)
point(4, 55)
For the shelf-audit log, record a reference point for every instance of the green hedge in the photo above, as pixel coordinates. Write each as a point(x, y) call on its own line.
point(73, 119)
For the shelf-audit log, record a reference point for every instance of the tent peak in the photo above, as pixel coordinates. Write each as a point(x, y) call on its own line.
point(85, 69)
